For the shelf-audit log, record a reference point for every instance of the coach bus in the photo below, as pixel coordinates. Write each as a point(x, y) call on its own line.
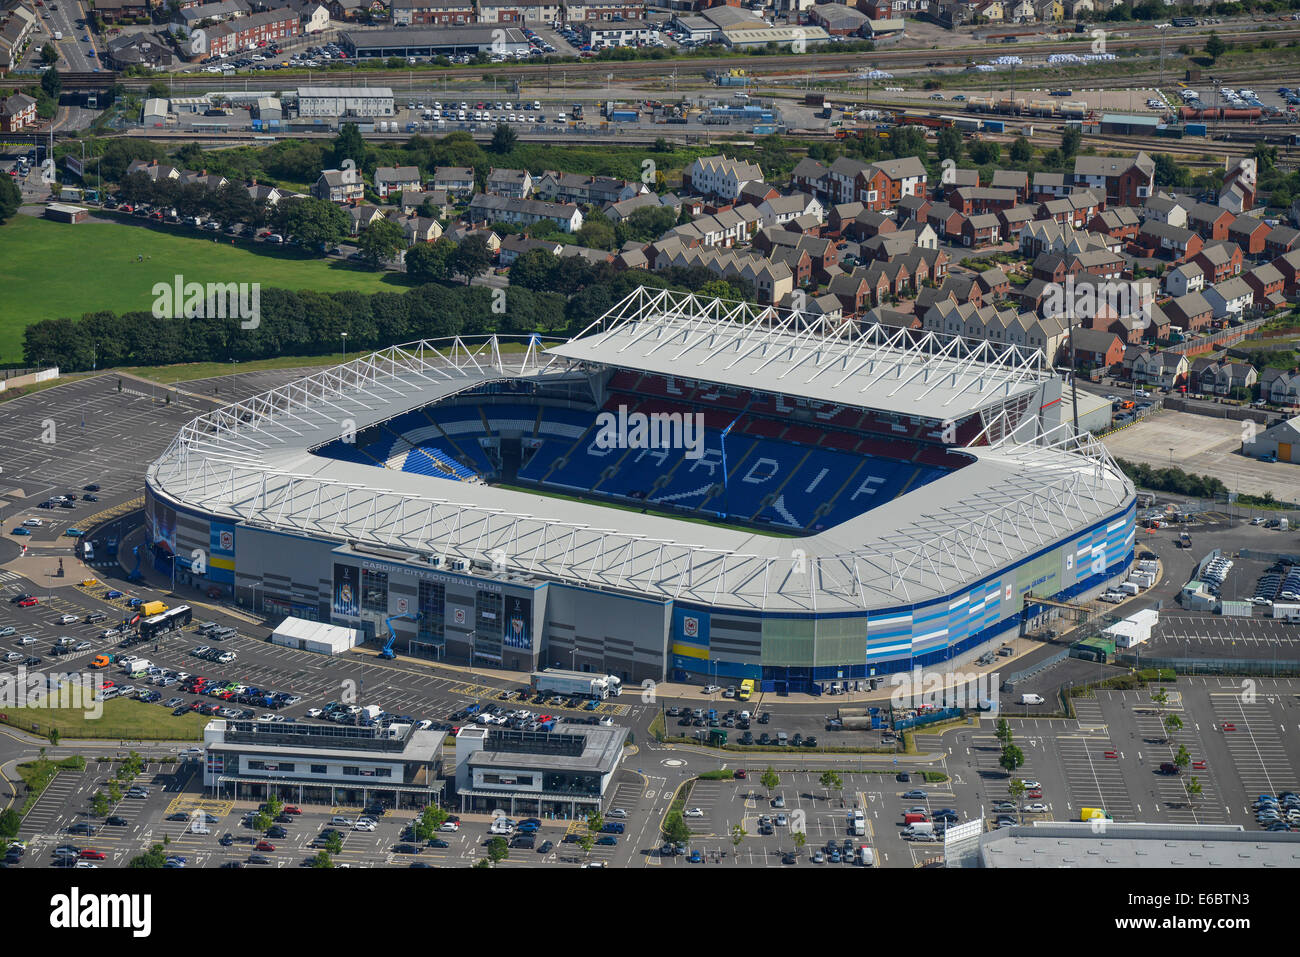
point(173, 618)
point(746, 689)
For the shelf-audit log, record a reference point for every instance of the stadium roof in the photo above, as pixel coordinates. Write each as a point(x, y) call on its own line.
point(777, 350)
point(253, 462)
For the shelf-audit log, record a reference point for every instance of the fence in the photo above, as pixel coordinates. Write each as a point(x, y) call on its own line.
point(923, 719)
point(1011, 679)
point(1213, 666)
point(29, 378)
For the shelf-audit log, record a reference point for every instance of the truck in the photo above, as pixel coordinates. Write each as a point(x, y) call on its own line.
point(576, 111)
point(919, 830)
point(1094, 813)
point(858, 822)
point(580, 683)
point(136, 666)
point(151, 608)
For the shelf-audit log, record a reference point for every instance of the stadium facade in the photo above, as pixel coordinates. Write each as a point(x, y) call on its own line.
point(863, 500)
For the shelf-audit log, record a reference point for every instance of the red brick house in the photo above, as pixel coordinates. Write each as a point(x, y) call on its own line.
point(1250, 233)
point(1100, 348)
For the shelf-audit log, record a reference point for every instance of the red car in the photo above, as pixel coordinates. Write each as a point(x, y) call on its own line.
point(738, 774)
point(29, 602)
point(1036, 793)
point(89, 855)
point(292, 810)
point(264, 846)
point(110, 683)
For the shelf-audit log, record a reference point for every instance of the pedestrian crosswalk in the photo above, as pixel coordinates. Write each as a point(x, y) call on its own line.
point(10, 577)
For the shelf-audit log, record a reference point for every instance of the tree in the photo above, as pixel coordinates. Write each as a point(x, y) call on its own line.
point(1002, 731)
point(427, 824)
point(1017, 791)
point(54, 736)
point(334, 843)
point(1012, 758)
point(99, 804)
point(675, 828)
point(587, 842)
point(830, 780)
point(498, 849)
point(1214, 46)
point(1173, 723)
point(428, 262)
point(473, 258)
point(49, 54)
point(381, 242)
point(1182, 758)
point(10, 822)
point(984, 152)
point(738, 834)
point(1170, 173)
point(52, 84)
point(1071, 139)
point(153, 859)
point(533, 270)
point(11, 197)
point(262, 821)
point(595, 822)
point(1021, 150)
point(770, 780)
point(322, 860)
point(800, 839)
point(1160, 698)
point(316, 223)
point(949, 144)
point(1194, 789)
point(504, 139)
point(349, 145)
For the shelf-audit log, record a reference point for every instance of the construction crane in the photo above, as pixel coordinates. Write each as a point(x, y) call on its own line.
point(387, 651)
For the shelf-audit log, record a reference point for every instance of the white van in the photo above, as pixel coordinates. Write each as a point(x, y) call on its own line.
point(1031, 699)
point(866, 856)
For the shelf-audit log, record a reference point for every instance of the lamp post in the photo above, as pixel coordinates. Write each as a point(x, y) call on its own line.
point(345, 346)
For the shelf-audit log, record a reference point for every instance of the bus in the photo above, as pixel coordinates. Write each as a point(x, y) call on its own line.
point(746, 689)
point(170, 620)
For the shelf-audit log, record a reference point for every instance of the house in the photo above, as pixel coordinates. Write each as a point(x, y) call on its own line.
point(1123, 182)
point(1229, 299)
point(1174, 242)
point(1239, 186)
point(1184, 278)
point(250, 32)
point(589, 190)
point(187, 19)
point(1165, 370)
point(138, 50)
point(1211, 222)
point(394, 179)
point(362, 216)
point(1097, 348)
point(1014, 220)
point(981, 230)
point(115, 11)
point(339, 186)
point(1118, 222)
point(1048, 186)
point(1012, 179)
point(420, 229)
point(973, 200)
point(720, 176)
point(153, 169)
point(515, 183)
point(456, 181)
point(460, 233)
point(1190, 313)
point(1268, 286)
point(1250, 233)
point(261, 193)
point(1280, 386)
point(487, 208)
point(17, 112)
point(1288, 265)
point(412, 199)
point(512, 247)
point(1280, 241)
point(1220, 377)
point(1163, 208)
point(520, 11)
point(436, 13)
point(902, 177)
point(779, 210)
point(1219, 261)
point(313, 15)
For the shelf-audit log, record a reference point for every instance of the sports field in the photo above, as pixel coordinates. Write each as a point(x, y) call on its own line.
point(50, 270)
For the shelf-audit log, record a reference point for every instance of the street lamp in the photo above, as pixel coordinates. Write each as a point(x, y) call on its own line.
point(345, 346)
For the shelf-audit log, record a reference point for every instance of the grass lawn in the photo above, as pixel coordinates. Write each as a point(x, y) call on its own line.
point(50, 270)
point(121, 720)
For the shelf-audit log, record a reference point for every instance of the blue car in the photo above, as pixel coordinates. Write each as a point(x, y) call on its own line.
point(608, 840)
point(528, 827)
point(109, 596)
point(134, 602)
point(22, 531)
point(696, 857)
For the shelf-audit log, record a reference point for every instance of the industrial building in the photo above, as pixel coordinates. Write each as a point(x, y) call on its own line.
point(444, 41)
point(1281, 442)
point(852, 443)
point(563, 773)
point(337, 101)
point(329, 764)
point(1188, 847)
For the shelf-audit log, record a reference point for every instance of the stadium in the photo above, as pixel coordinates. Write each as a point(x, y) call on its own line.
point(688, 489)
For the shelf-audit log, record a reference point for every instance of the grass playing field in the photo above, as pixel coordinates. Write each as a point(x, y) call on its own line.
point(50, 270)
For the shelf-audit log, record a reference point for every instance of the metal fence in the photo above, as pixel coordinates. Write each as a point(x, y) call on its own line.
point(1010, 682)
point(1214, 666)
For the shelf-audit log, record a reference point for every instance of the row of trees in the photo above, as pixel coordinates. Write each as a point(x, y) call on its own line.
point(1175, 480)
point(308, 322)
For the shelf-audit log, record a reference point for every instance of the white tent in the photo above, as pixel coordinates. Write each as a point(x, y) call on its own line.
point(315, 636)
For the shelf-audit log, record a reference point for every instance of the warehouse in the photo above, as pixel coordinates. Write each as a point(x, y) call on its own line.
point(335, 101)
point(508, 41)
point(1281, 442)
point(1123, 845)
point(562, 773)
point(323, 763)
